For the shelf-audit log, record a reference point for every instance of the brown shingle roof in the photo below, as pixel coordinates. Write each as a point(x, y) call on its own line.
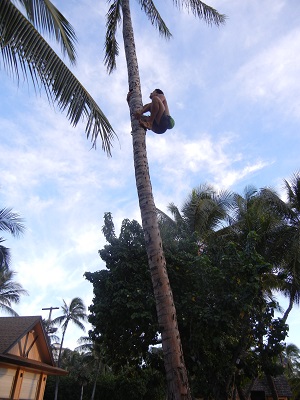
point(13, 328)
point(282, 387)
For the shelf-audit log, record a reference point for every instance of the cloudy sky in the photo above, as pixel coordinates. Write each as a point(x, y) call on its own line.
point(234, 93)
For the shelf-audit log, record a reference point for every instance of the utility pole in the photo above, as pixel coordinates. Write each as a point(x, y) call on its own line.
point(50, 330)
point(50, 311)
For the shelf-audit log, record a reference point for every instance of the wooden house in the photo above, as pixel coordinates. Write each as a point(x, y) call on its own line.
point(25, 358)
point(261, 389)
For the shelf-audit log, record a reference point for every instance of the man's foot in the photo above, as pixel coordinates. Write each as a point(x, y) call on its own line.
point(145, 123)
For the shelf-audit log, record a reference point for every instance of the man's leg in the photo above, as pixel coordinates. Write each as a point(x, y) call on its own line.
point(156, 112)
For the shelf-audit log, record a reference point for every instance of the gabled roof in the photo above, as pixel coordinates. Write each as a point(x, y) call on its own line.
point(12, 329)
point(13, 332)
point(281, 384)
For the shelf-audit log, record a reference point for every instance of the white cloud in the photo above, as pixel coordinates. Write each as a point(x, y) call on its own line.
point(271, 77)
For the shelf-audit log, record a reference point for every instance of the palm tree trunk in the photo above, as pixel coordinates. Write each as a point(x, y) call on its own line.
point(176, 373)
point(289, 309)
point(58, 363)
point(95, 382)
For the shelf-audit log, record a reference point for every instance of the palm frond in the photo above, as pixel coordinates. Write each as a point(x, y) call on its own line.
point(10, 291)
point(275, 203)
point(4, 255)
point(22, 47)
point(176, 213)
point(201, 10)
point(155, 18)
point(79, 324)
point(8, 310)
point(45, 17)
point(113, 18)
point(58, 320)
point(11, 222)
point(77, 304)
point(293, 190)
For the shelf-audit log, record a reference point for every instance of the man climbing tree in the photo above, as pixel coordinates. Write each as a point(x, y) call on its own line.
point(160, 119)
point(176, 373)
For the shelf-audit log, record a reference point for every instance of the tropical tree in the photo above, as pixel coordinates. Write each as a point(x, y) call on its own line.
point(291, 361)
point(123, 308)
point(24, 51)
point(221, 308)
point(91, 350)
point(252, 214)
point(10, 291)
point(203, 212)
point(178, 387)
point(292, 240)
point(277, 223)
point(12, 223)
point(75, 312)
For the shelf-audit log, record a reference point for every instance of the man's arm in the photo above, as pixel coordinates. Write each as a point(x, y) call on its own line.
point(146, 108)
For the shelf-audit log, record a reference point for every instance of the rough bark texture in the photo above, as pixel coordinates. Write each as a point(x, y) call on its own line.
point(289, 309)
point(178, 386)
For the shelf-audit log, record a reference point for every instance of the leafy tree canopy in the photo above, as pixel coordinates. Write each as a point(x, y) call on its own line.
point(226, 323)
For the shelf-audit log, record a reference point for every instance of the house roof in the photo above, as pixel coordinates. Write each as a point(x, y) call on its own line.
point(282, 387)
point(12, 330)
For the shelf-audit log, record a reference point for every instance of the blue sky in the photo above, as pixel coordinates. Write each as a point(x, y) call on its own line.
point(234, 93)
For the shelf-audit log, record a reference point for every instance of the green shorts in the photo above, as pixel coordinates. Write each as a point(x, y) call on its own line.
point(166, 122)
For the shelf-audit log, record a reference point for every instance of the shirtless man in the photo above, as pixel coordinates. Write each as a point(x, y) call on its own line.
point(159, 120)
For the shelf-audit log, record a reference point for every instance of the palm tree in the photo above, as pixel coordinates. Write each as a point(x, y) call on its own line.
point(24, 50)
point(10, 291)
point(291, 362)
point(76, 313)
point(288, 238)
point(252, 212)
point(176, 374)
point(12, 223)
point(203, 212)
point(92, 353)
point(292, 235)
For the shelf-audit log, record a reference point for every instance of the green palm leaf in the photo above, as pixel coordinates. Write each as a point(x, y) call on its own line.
point(11, 222)
point(113, 18)
point(46, 17)
point(10, 290)
point(202, 11)
point(150, 10)
point(22, 47)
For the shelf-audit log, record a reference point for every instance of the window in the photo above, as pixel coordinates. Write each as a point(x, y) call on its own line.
point(7, 377)
point(29, 385)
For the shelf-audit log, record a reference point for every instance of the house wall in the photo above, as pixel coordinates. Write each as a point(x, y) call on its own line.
point(18, 383)
point(7, 377)
point(25, 348)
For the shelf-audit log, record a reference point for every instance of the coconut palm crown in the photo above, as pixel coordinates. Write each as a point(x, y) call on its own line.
point(24, 50)
point(113, 17)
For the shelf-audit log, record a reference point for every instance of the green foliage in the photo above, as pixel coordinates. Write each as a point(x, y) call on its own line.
point(226, 323)
point(123, 310)
point(129, 384)
point(10, 291)
point(291, 361)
